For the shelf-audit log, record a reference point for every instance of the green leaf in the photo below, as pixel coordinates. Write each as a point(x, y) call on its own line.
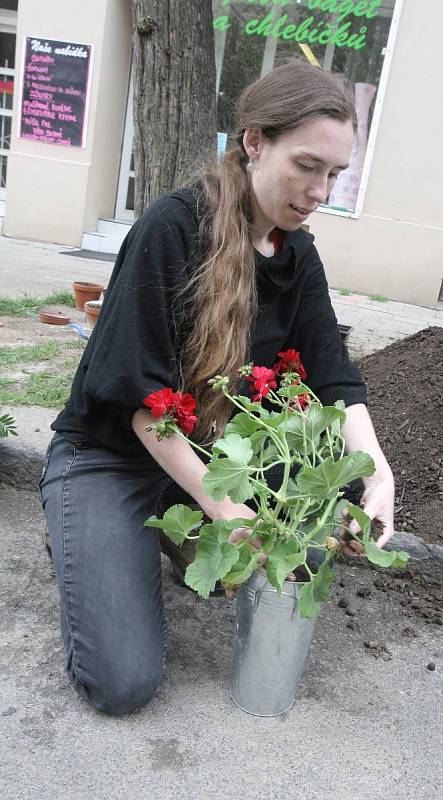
point(338, 516)
point(336, 425)
point(244, 567)
point(308, 606)
point(7, 426)
point(308, 525)
point(270, 453)
point(225, 526)
point(293, 428)
point(226, 476)
point(318, 419)
point(322, 582)
point(242, 424)
point(331, 475)
point(292, 487)
point(237, 449)
point(256, 408)
point(314, 422)
point(315, 592)
point(214, 558)
point(177, 522)
point(293, 390)
point(283, 559)
point(385, 558)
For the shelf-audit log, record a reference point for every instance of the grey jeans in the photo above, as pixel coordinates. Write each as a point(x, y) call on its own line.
point(108, 571)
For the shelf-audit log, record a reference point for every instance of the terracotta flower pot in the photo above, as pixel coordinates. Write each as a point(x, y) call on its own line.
point(84, 292)
point(92, 310)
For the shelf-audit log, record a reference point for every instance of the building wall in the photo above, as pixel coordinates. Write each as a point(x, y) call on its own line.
point(54, 192)
point(396, 247)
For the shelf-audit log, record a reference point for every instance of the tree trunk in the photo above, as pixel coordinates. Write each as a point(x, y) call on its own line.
point(174, 93)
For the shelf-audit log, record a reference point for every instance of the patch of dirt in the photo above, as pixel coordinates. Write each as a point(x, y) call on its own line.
point(405, 382)
point(26, 331)
point(417, 598)
point(29, 331)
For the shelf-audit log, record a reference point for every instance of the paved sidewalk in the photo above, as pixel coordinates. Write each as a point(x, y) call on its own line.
point(36, 268)
point(377, 324)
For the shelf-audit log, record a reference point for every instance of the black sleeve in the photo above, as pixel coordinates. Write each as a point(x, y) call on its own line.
point(132, 351)
point(331, 374)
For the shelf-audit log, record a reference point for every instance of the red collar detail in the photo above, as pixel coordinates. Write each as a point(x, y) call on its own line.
point(278, 238)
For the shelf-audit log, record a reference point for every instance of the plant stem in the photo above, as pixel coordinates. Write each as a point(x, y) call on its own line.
point(193, 444)
point(269, 466)
point(272, 433)
point(258, 483)
point(322, 520)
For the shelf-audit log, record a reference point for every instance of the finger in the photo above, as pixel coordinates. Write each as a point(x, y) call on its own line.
point(385, 520)
point(352, 524)
point(347, 540)
point(238, 534)
point(386, 535)
point(349, 552)
point(351, 547)
point(291, 577)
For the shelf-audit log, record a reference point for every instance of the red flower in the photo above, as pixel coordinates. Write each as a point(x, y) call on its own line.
point(300, 402)
point(160, 402)
point(262, 380)
point(290, 361)
point(184, 406)
point(304, 400)
point(177, 405)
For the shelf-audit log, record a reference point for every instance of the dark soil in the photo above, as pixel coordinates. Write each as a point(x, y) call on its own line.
point(405, 382)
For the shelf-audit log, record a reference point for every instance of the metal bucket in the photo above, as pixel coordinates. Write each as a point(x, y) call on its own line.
point(271, 644)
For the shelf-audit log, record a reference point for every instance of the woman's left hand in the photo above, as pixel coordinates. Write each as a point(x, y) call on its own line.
point(378, 504)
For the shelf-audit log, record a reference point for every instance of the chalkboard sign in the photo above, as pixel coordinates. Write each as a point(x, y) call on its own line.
point(55, 91)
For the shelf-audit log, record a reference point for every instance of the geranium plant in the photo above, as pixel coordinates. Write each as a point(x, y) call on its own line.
point(300, 437)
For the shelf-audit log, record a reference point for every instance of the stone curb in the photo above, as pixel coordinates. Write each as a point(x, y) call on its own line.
point(21, 465)
point(22, 456)
point(20, 468)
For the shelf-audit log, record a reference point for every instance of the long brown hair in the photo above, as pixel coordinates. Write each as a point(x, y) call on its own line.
point(223, 285)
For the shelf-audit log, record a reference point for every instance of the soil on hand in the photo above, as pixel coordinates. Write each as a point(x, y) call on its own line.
point(405, 382)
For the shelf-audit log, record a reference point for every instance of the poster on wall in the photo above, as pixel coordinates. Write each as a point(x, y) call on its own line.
point(55, 92)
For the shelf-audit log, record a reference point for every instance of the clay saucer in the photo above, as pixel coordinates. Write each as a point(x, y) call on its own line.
point(53, 317)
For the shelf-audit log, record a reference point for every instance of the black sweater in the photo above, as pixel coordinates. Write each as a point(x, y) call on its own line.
point(133, 348)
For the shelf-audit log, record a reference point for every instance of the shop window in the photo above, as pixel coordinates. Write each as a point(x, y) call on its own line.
point(348, 39)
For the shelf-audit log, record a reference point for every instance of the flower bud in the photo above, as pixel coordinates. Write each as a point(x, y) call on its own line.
point(246, 370)
point(331, 543)
point(219, 382)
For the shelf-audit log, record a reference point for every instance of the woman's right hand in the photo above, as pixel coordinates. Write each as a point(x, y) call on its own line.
point(228, 510)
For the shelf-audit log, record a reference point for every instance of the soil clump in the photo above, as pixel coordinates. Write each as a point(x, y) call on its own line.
point(405, 386)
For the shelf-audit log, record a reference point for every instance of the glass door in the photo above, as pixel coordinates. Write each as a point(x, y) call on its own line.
point(124, 207)
point(7, 72)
